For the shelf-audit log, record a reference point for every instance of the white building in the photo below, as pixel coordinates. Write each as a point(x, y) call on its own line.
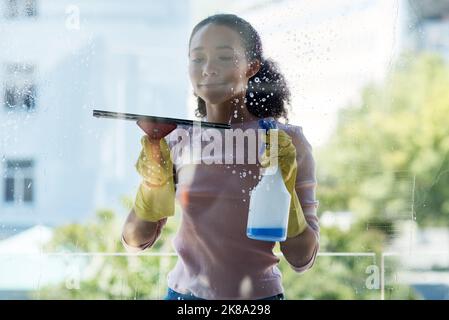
point(429, 25)
point(61, 59)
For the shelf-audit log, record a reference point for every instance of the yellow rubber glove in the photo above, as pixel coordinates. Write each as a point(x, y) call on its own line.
point(155, 197)
point(286, 153)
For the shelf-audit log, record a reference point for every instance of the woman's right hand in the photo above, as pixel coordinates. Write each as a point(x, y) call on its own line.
point(156, 194)
point(154, 164)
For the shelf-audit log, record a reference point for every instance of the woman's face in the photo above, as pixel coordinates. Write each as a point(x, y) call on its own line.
point(218, 67)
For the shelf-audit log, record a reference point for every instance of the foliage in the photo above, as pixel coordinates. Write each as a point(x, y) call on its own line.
point(390, 152)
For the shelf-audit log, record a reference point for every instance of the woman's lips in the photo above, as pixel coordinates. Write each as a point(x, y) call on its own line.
point(211, 84)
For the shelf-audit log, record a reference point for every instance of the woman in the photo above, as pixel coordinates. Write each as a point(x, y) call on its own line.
point(236, 85)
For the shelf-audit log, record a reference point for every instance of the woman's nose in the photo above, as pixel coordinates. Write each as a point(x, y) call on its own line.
point(209, 70)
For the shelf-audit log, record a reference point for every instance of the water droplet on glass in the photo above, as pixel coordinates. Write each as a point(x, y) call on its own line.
point(256, 80)
point(251, 95)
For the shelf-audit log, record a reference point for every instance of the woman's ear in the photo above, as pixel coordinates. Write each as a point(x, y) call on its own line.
point(254, 67)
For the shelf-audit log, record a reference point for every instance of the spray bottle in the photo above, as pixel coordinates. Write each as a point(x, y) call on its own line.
point(269, 205)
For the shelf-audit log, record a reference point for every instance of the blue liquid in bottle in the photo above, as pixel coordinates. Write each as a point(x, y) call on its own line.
point(267, 234)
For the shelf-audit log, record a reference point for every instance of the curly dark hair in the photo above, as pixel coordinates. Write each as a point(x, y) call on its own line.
point(267, 93)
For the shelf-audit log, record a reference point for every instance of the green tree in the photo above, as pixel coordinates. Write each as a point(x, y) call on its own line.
point(144, 277)
point(390, 152)
point(108, 275)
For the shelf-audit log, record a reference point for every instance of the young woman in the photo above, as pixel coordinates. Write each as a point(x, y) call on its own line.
point(234, 84)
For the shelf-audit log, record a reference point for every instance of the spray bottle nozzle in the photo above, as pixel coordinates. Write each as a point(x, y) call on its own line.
point(267, 124)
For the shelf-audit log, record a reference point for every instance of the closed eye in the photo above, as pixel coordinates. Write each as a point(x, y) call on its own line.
point(198, 60)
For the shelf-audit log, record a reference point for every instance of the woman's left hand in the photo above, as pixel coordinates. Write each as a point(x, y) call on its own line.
point(286, 160)
point(286, 153)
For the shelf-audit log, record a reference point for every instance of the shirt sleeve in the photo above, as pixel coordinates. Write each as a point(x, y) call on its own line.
point(309, 264)
point(142, 247)
point(306, 181)
point(305, 187)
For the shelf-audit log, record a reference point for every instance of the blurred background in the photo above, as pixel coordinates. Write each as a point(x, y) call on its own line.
point(369, 82)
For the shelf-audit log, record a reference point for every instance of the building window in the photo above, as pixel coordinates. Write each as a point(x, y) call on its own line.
point(19, 181)
point(20, 87)
point(20, 8)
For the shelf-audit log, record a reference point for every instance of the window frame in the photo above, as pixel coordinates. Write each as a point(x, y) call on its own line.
point(20, 86)
point(19, 170)
point(18, 9)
